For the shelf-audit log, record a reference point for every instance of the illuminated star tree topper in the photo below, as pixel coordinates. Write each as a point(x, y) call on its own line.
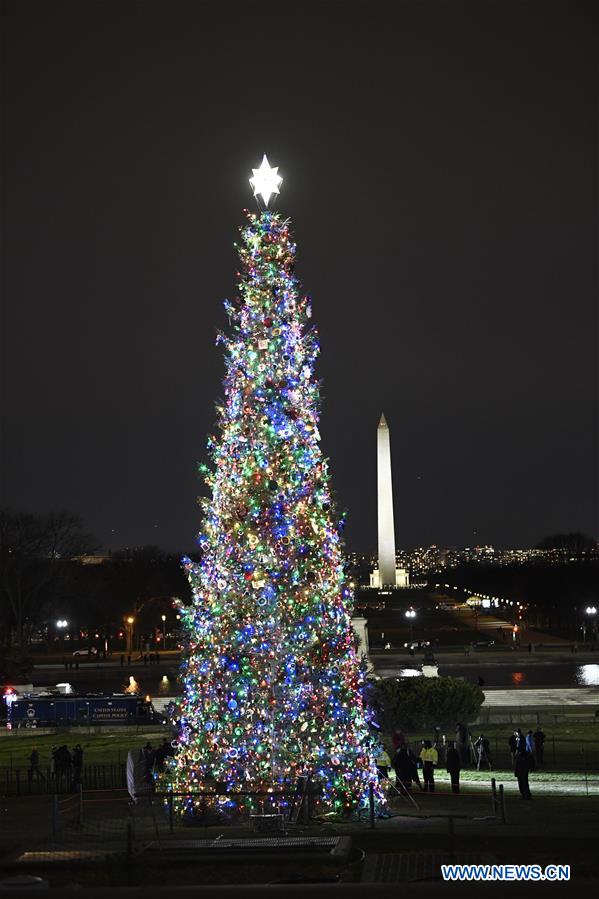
point(265, 181)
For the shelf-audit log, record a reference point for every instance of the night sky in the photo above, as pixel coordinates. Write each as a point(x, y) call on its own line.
point(439, 164)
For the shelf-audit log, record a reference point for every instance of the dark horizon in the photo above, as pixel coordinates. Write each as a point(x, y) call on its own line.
point(440, 172)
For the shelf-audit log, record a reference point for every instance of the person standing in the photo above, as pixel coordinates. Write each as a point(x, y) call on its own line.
point(398, 739)
point(147, 756)
point(513, 743)
point(34, 765)
point(529, 742)
point(520, 740)
point(165, 750)
point(429, 758)
point(405, 768)
point(453, 766)
point(77, 764)
point(522, 768)
point(63, 763)
point(383, 763)
point(539, 740)
point(462, 739)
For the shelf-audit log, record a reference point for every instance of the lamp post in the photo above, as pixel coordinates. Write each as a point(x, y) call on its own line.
point(410, 615)
point(164, 629)
point(130, 621)
point(61, 624)
point(590, 612)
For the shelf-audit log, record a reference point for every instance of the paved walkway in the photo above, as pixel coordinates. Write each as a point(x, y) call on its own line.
point(542, 696)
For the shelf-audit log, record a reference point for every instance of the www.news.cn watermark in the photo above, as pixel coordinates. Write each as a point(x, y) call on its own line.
point(505, 872)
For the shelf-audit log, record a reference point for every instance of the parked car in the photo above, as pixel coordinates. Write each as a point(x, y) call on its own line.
point(484, 644)
point(86, 652)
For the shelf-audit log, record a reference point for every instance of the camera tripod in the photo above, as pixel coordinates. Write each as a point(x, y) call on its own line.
point(480, 754)
point(402, 792)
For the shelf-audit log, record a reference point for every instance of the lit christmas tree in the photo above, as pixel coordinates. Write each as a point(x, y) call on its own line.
point(272, 681)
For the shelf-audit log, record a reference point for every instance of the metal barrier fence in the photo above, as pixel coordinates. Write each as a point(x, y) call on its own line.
point(27, 781)
point(105, 818)
point(94, 826)
point(575, 756)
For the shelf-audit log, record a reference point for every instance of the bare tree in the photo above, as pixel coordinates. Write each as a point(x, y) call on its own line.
point(33, 552)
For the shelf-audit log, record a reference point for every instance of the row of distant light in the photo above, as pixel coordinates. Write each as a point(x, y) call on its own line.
point(62, 623)
point(590, 610)
point(508, 602)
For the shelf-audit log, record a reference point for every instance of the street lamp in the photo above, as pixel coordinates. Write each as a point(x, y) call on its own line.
point(164, 629)
point(590, 611)
point(61, 624)
point(130, 621)
point(410, 615)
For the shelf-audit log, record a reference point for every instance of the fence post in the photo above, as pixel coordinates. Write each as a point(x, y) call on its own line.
point(18, 781)
point(80, 809)
point(494, 796)
point(371, 803)
point(55, 816)
point(170, 812)
point(502, 804)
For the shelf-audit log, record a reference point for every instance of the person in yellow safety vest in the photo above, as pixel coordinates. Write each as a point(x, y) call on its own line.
point(383, 763)
point(429, 758)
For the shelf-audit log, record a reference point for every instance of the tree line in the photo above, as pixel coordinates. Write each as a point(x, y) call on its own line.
point(44, 574)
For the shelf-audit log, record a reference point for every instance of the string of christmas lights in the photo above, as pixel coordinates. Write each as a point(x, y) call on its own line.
point(272, 682)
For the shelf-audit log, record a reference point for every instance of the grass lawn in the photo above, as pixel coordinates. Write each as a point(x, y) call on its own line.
point(567, 746)
point(98, 749)
point(562, 748)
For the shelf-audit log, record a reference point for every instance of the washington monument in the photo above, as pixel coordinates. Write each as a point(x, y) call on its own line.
point(387, 575)
point(385, 506)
